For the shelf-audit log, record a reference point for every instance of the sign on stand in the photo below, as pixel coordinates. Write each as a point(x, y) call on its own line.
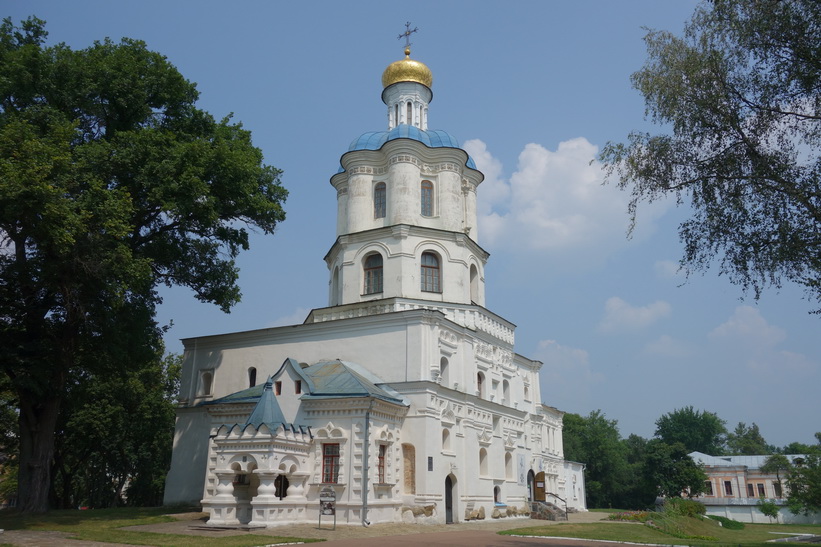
point(327, 504)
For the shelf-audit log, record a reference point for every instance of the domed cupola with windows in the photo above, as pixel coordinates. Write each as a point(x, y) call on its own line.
point(406, 205)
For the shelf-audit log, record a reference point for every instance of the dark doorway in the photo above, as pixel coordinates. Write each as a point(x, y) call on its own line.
point(531, 486)
point(281, 485)
point(448, 500)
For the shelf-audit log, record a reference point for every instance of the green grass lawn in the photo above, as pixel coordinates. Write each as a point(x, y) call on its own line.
point(680, 531)
point(104, 524)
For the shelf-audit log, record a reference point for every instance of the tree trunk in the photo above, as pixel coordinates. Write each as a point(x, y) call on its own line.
point(38, 420)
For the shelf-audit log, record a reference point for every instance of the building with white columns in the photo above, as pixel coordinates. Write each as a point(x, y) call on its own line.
point(405, 396)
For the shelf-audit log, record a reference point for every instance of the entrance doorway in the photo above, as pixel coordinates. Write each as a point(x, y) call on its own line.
point(539, 490)
point(531, 486)
point(448, 500)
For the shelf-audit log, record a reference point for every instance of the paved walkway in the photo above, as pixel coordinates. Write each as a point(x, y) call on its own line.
point(473, 534)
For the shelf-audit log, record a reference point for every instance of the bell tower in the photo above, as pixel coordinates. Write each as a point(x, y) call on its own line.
point(406, 206)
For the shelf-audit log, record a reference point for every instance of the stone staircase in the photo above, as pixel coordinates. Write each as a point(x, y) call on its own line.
point(543, 510)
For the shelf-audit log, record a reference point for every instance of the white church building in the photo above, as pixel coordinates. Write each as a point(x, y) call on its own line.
point(404, 398)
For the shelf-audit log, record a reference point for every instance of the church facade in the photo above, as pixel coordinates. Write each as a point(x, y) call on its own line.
point(404, 399)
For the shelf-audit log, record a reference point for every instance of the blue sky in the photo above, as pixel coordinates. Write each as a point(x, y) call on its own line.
point(532, 90)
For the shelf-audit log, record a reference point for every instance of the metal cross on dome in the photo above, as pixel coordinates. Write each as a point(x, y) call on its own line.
point(407, 34)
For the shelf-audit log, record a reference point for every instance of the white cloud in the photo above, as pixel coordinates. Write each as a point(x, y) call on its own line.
point(666, 269)
point(295, 318)
point(554, 201)
point(666, 346)
point(747, 326)
point(621, 316)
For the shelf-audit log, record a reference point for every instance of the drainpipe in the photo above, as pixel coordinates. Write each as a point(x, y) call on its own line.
point(365, 473)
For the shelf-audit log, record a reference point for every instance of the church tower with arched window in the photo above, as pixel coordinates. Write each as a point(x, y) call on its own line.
point(403, 399)
point(406, 206)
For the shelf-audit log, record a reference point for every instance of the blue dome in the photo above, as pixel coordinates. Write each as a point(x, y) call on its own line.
point(432, 138)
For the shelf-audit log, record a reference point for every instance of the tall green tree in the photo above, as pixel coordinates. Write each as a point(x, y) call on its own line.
point(747, 440)
point(804, 481)
point(114, 437)
point(111, 183)
point(776, 464)
point(739, 95)
point(639, 492)
point(696, 430)
point(595, 440)
point(672, 471)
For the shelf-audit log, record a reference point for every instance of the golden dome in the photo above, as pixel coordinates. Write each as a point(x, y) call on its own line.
point(407, 70)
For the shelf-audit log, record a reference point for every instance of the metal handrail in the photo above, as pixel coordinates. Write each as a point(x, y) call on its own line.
point(562, 500)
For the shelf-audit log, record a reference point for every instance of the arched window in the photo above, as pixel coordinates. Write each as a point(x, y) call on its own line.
point(474, 284)
point(427, 198)
point(483, 462)
point(430, 273)
point(396, 114)
point(206, 383)
point(409, 120)
point(373, 274)
point(281, 486)
point(379, 207)
point(505, 392)
point(508, 465)
point(480, 385)
point(446, 440)
point(335, 301)
point(252, 377)
point(497, 494)
point(443, 372)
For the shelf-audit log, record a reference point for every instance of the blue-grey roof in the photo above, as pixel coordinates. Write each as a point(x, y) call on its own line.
point(335, 379)
point(267, 410)
point(432, 138)
point(250, 395)
point(330, 379)
point(751, 462)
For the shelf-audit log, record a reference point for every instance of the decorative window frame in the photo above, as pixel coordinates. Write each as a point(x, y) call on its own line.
point(384, 437)
point(330, 434)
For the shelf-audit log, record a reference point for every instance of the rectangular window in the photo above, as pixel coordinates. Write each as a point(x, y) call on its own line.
point(278, 387)
point(708, 488)
point(777, 488)
point(761, 493)
point(381, 464)
point(427, 198)
point(373, 274)
point(298, 387)
point(728, 488)
point(750, 491)
point(379, 205)
point(330, 463)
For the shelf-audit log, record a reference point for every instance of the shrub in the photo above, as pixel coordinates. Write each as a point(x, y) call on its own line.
point(729, 524)
point(631, 516)
point(683, 507)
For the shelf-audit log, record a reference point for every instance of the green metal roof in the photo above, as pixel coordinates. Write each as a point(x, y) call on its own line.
point(334, 379)
point(267, 410)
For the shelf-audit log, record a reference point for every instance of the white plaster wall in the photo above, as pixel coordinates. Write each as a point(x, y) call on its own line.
point(751, 514)
point(401, 248)
point(189, 459)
